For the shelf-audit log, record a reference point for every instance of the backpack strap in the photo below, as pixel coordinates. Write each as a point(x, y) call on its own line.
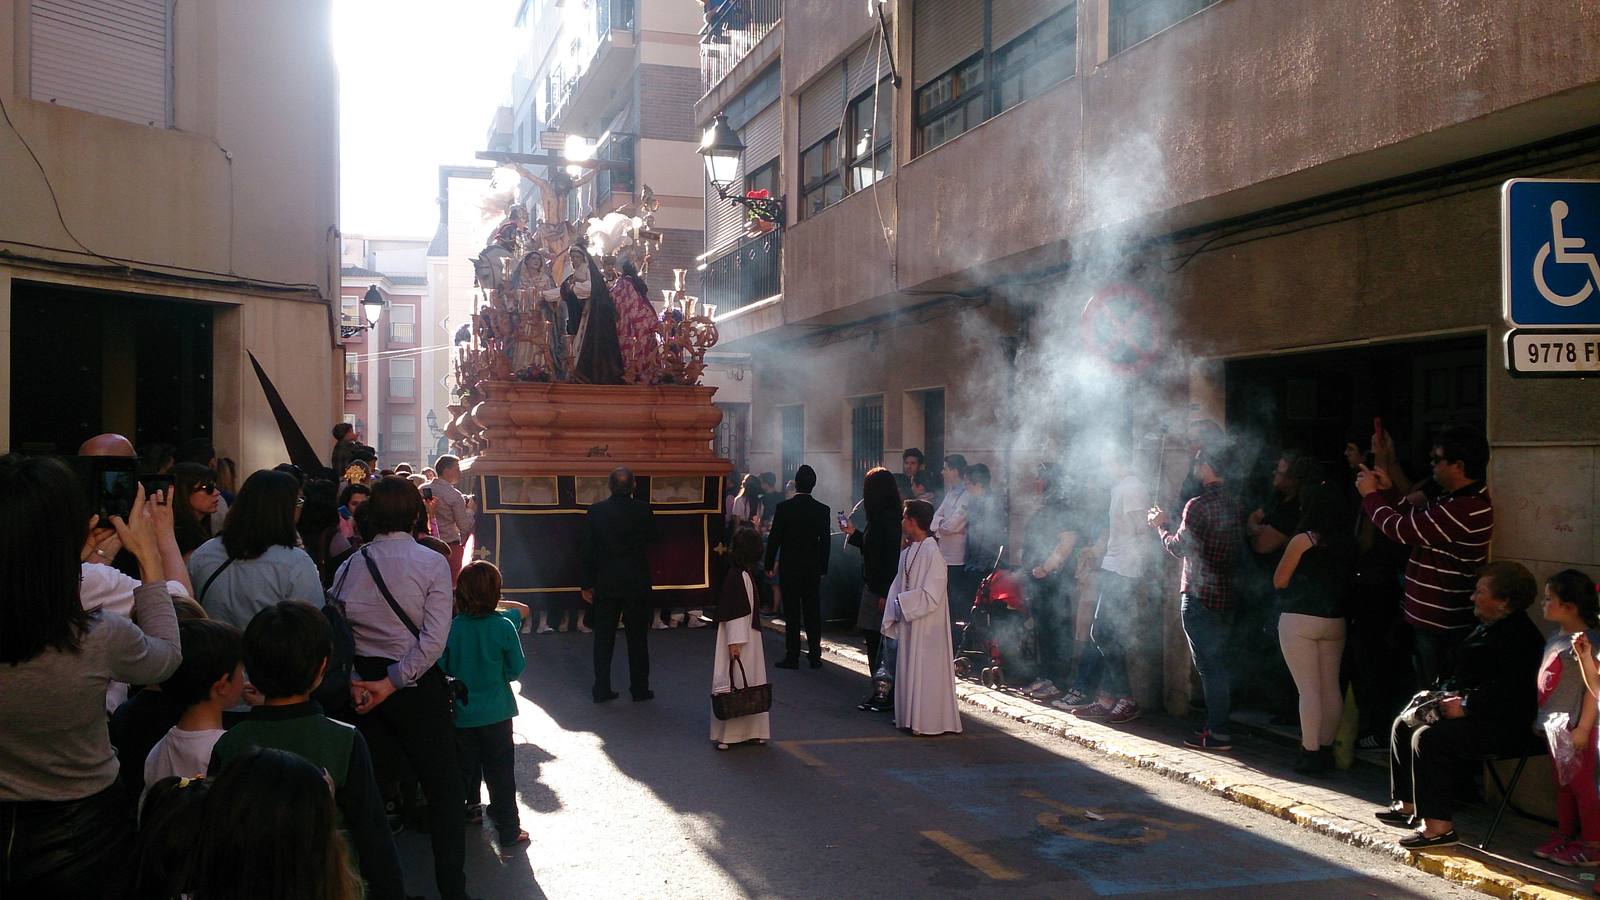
point(377, 578)
point(225, 563)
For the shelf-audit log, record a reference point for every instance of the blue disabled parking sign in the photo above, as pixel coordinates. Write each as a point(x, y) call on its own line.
point(1550, 231)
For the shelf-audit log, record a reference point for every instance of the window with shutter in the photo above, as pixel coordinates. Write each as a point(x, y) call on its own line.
point(822, 107)
point(104, 57)
point(1135, 20)
point(963, 78)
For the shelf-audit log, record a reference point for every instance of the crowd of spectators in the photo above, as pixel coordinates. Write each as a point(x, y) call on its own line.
point(180, 693)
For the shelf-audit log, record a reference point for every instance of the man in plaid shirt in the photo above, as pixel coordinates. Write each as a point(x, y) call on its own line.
point(1209, 540)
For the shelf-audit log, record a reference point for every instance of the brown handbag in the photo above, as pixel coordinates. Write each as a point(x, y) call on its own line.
point(749, 700)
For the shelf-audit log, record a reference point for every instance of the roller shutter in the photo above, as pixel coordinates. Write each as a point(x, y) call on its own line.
point(102, 56)
point(724, 220)
point(1010, 18)
point(821, 107)
point(763, 137)
point(861, 67)
point(943, 33)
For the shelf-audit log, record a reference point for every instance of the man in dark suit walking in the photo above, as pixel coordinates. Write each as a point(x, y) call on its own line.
point(615, 578)
point(799, 541)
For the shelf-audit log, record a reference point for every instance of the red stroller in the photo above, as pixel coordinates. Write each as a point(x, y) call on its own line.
point(997, 640)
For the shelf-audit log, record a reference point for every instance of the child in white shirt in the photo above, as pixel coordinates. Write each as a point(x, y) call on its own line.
point(209, 680)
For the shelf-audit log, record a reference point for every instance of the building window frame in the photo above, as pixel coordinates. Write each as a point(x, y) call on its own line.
point(1027, 56)
point(791, 439)
point(964, 90)
point(973, 87)
point(1121, 20)
point(866, 438)
point(402, 330)
point(402, 387)
point(870, 151)
point(821, 176)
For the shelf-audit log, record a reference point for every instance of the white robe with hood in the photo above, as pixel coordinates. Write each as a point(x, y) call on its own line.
point(915, 615)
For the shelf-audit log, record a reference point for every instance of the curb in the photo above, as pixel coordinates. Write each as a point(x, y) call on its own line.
point(1247, 788)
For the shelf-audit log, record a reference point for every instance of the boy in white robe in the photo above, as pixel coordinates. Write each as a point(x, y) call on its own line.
point(915, 615)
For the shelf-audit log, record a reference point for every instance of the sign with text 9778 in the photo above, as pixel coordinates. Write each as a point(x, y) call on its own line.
point(1570, 354)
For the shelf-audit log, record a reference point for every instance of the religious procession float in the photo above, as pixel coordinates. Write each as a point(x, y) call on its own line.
point(569, 370)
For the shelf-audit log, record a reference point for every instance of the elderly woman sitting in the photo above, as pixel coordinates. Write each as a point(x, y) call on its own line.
point(1490, 707)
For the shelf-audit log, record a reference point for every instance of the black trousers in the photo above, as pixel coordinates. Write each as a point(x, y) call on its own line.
point(802, 600)
point(1377, 654)
point(488, 753)
point(415, 723)
point(1424, 762)
point(67, 849)
point(635, 612)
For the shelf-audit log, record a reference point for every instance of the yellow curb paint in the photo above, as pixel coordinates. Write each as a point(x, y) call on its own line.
point(973, 857)
point(794, 749)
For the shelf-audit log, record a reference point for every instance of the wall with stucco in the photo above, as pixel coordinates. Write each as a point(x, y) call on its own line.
point(244, 188)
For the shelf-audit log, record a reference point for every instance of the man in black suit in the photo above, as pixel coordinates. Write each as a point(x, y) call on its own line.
point(615, 578)
point(799, 539)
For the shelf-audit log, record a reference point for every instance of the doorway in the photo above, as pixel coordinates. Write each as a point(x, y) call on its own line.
point(86, 362)
point(1320, 399)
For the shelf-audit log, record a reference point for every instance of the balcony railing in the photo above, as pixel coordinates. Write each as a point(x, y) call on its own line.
point(733, 28)
point(610, 15)
point(751, 271)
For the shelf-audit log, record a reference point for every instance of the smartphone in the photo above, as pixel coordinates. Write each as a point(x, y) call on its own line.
point(844, 520)
point(156, 484)
point(109, 483)
point(427, 493)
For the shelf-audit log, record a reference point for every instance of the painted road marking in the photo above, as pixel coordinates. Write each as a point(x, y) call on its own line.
point(1155, 830)
point(974, 857)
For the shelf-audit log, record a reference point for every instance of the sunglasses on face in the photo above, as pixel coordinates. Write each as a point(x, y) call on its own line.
point(205, 488)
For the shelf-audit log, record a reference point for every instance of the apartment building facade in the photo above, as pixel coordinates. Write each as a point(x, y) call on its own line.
point(615, 82)
point(385, 393)
point(169, 170)
point(1124, 215)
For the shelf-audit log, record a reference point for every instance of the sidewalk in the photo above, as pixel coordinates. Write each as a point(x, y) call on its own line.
point(1258, 773)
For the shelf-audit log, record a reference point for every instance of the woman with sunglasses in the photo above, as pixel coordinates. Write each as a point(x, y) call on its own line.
point(194, 499)
point(256, 561)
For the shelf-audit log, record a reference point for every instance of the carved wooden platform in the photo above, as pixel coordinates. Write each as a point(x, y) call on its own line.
point(526, 428)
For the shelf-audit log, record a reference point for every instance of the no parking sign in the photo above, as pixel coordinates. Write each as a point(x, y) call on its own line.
point(1119, 322)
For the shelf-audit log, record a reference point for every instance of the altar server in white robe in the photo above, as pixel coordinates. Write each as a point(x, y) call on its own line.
point(915, 616)
point(739, 638)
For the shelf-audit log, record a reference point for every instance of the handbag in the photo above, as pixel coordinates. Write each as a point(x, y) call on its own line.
point(750, 700)
point(455, 690)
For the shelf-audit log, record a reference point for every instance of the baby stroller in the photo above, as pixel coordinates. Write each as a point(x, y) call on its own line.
point(997, 640)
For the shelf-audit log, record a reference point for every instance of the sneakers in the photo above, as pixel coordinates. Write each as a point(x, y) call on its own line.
point(1554, 845)
point(1125, 710)
point(695, 620)
point(1092, 711)
point(1205, 740)
point(1372, 742)
point(1043, 689)
point(1072, 700)
point(584, 628)
point(546, 629)
point(1577, 853)
point(658, 625)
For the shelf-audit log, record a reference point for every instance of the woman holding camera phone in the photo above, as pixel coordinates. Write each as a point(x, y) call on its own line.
point(65, 821)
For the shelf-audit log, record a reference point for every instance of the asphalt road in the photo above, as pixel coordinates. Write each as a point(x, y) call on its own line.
point(631, 800)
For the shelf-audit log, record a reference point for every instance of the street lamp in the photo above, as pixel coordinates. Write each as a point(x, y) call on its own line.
point(722, 150)
point(372, 304)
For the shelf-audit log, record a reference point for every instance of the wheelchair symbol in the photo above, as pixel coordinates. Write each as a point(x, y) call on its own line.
point(1566, 253)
